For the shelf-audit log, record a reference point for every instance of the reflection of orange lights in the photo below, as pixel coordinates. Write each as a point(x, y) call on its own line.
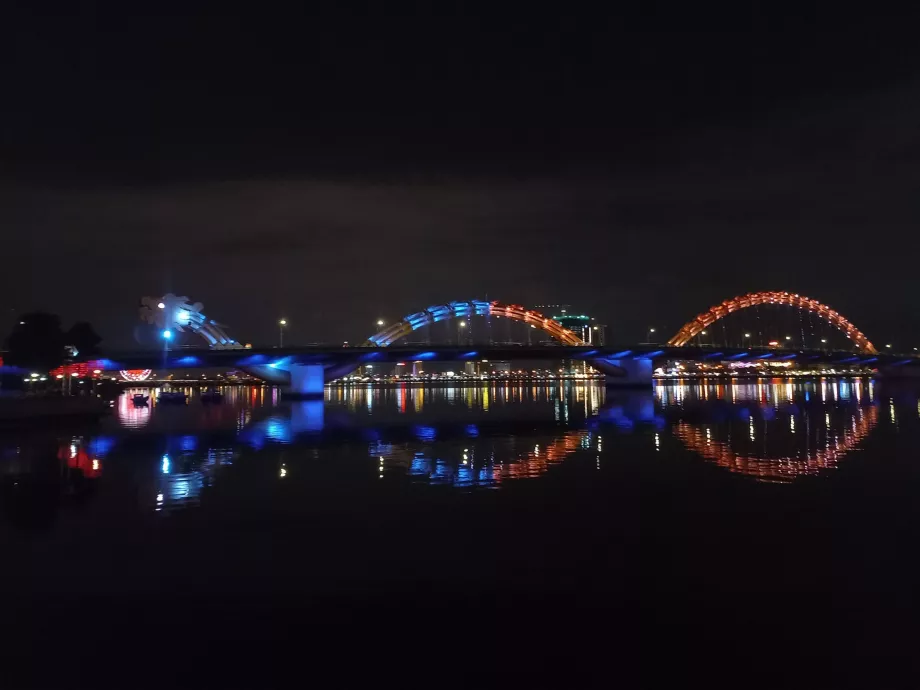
point(539, 461)
point(783, 469)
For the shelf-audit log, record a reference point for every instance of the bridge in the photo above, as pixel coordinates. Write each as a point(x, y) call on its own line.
point(306, 369)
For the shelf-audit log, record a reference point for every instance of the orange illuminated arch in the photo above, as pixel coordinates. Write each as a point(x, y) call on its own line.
point(693, 328)
point(456, 310)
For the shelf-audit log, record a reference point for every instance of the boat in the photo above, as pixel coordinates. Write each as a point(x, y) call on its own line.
point(171, 398)
point(140, 400)
point(211, 396)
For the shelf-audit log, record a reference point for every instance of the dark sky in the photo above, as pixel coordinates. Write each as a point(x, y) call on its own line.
point(343, 164)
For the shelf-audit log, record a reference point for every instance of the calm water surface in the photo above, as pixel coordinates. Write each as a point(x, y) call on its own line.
point(689, 510)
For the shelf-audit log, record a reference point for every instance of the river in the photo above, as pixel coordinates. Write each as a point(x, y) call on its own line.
point(767, 518)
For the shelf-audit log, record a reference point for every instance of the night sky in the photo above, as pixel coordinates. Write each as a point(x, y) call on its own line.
point(345, 165)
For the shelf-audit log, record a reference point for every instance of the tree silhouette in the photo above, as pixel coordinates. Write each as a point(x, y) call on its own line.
point(36, 342)
point(83, 337)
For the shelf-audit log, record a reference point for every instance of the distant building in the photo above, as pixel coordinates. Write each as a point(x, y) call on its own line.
point(585, 327)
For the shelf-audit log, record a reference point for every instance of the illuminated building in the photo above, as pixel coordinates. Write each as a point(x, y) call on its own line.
point(585, 327)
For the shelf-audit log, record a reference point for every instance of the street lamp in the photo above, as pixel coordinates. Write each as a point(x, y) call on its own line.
point(167, 334)
point(648, 336)
point(888, 346)
point(281, 324)
point(379, 323)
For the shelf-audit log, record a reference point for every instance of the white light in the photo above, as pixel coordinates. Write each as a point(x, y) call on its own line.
point(463, 324)
point(97, 371)
point(159, 498)
point(34, 376)
point(747, 335)
point(788, 337)
point(702, 332)
point(161, 306)
point(43, 378)
point(282, 322)
point(380, 322)
point(95, 465)
point(74, 374)
point(167, 334)
point(283, 472)
point(165, 464)
point(888, 345)
point(59, 376)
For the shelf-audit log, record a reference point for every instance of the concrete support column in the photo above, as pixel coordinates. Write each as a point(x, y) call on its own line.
point(307, 380)
point(626, 372)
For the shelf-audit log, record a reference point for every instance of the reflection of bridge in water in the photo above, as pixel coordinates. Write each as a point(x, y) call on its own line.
point(773, 431)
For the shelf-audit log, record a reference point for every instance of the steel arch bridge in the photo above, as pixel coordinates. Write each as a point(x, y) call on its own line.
point(693, 328)
point(457, 310)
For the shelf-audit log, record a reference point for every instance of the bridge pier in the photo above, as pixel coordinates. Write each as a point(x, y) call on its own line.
point(632, 372)
point(306, 381)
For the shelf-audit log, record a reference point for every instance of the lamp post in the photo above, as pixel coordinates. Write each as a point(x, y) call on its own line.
point(380, 323)
point(460, 326)
point(648, 336)
point(281, 324)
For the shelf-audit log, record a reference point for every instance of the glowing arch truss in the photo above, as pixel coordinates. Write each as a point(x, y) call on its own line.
point(177, 313)
point(459, 310)
point(693, 328)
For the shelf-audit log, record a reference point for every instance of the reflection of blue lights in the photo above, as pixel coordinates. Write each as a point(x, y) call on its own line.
point(654, 354)
point(280, 363)
point(101, 445)
point(624, 353)
point(766, 356)
point(425, 355)
point(468, 354)
point(740, 355)
point(188, 443)
point(807, 396)
point(472, 430)
point(744, 413)
point(871, 359)
point(165, 464)
point(713, 355)
point(424, 433)
point(188, 361)
point(278, 430)
point(420, 466)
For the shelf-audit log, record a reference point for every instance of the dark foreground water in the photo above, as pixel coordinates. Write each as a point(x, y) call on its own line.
point(762, 533)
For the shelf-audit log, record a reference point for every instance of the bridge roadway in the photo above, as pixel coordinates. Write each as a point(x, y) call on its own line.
point(340, 358)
